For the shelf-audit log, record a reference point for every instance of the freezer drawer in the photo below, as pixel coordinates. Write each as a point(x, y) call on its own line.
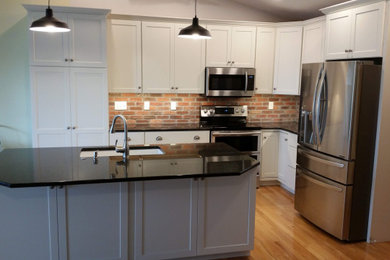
point(326, 166)
point(325, 203)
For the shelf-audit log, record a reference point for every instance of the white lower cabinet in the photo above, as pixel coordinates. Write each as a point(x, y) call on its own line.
point(74, 222)
point(174, 219)
point(269, 155)
point(134, 138)
point(92, 221)
point(287, 160)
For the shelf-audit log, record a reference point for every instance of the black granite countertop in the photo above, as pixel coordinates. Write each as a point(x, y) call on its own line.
point(287, 126)
point(29, 167)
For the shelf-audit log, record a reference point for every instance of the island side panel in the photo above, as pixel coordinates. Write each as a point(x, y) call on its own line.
point(226, 214)
point(28, 223)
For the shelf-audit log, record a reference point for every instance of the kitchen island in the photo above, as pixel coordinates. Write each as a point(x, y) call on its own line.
point(195, 201)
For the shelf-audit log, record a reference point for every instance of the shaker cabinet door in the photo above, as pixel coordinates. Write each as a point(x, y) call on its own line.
point(338, 35)
point(243, 46)
point(87, 40)
point(219, 46)
point(265, 57)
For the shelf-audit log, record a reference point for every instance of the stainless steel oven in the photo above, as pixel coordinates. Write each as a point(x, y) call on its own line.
point(235, 82)
point(246, 141)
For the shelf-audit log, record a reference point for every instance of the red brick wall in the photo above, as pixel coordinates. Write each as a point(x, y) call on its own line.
point(286, 108)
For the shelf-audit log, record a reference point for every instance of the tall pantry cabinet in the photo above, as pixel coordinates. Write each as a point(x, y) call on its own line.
point(68, 74)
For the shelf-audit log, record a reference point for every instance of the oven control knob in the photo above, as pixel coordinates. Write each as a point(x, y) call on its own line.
point(237, 111)
point(211, 112)
point(243, 110)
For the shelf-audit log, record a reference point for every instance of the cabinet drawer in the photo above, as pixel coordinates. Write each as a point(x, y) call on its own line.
point(135, 138)
point(177, 137)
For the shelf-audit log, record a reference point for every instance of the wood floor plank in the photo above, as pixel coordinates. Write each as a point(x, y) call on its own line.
point(281, 233)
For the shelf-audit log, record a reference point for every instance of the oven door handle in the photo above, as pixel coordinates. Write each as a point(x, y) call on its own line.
point(246, 81)
point(221, 134)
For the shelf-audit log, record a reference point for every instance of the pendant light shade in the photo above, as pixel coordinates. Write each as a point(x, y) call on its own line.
point(195, 31)
point(48, 23)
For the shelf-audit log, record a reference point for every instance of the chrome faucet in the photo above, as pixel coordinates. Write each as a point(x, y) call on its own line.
point(125, 148)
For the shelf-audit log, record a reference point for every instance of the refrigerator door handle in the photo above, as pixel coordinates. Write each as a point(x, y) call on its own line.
point(322, 184)
point(335, 164)
point(317, 99)
point(314, 112)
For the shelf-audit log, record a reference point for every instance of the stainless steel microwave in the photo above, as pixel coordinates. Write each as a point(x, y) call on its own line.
point(230, 82)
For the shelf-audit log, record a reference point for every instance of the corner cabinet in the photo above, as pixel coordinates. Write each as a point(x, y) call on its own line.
point(83, 46)
point(265, 56)
point(231, 46)
point(168, 65)
point(287, 60)
point(356, 32)
point(313, 42)
point(269, 155)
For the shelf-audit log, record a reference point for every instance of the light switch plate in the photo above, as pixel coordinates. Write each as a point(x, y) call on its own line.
point(173, 105)
point(120, 105)
point(270, 105)
point(146, 105)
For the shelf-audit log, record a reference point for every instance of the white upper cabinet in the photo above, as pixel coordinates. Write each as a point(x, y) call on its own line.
point(313, 42)
point(287, 60)
point(189, 63)
point(171, 64)
point(70, 106)
point(158, 55)
point(231, 46)
point(83, 46)
point(356, 32)
point(124, 56)
point(265, 54)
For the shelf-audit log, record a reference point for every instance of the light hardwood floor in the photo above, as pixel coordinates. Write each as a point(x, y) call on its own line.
point(281, 233)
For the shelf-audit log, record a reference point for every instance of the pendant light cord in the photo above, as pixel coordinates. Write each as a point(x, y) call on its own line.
point(195, 7)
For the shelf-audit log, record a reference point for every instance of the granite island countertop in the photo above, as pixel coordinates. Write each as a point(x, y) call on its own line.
point(29, 167)
point(287, 126)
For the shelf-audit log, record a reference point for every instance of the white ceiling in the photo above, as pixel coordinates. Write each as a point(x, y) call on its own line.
point(291, 10)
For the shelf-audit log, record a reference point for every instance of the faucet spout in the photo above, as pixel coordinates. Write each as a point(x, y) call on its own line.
point(125, 147)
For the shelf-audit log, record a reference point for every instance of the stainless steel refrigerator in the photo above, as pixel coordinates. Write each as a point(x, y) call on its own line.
point(337, 130)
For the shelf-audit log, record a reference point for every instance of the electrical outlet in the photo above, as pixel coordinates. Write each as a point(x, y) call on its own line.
point(270, 105)
point(173, 105)
point(146, 105)
point(120, 105)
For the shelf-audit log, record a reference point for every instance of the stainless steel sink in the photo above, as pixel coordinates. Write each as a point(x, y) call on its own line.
point(106, 152)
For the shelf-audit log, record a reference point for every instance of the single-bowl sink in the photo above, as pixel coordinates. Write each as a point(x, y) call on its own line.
point(106, 152)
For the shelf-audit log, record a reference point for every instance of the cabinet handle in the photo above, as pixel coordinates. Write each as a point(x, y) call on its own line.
point(264, 137)
point(196, 137)
point(274, 88)
point(69, 128)
point(172, 87)
point(71, 60)
point(346, 50)
point(232, 62)
point(159, 138)
point(256, 88)
point(228, 62)
point(350, 51)
point(74, 128)
point(176, 88)
point(66, 60)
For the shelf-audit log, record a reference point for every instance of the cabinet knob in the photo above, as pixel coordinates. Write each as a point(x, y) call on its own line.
point(274, 88)
point(69, 128)
point(139, 87)
point(232, 62)
point(264, 137)
point(172, 87)
point(177, 88)
point(256, 88)
point(71, 60)
point(350, 51)
point(74, 128)
point(196, 137)
point(159, 138)
point(286, 139)
point(128, 139)
point(228, 62)
point(66, 60)
point(346, 50)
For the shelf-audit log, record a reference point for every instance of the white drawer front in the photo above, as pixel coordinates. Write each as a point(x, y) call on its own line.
point(177, 137)
point(135, 138)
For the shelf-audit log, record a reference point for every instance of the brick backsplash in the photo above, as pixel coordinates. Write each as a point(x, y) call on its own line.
point(285, 107)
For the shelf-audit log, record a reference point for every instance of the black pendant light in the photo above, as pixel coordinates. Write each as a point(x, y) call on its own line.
point(48, 23)
point(195, 31)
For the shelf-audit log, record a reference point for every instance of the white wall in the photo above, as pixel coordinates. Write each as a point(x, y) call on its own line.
point(379, 223)
point(207, 9)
